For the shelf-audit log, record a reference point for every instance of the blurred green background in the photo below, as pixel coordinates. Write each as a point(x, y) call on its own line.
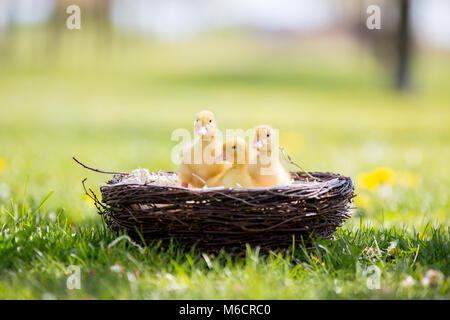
point(345, 98)
point(112, 92)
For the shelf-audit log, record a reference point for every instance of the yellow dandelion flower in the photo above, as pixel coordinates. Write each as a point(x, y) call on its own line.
point(2, 165)
point(372, 180)
point(367, 181)
point(323, 264)
point(362, 201)
point(408, 180)
point(89, 200)
point(292, 141)
point(314, 258)
point(384, 175)
point(393, 252)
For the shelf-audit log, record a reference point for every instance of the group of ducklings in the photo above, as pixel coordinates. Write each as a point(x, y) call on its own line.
point(231, 166)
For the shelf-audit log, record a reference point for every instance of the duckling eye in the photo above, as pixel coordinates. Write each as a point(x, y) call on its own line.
point(268, 135)
point(210, 121)
point(233, 147)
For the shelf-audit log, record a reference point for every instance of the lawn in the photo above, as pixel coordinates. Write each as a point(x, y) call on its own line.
point(115, 104)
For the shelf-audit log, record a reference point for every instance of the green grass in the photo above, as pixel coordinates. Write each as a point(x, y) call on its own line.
point(115, 106)
point(37, 251)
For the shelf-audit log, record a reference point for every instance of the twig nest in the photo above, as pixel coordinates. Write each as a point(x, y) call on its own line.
point(152, 206)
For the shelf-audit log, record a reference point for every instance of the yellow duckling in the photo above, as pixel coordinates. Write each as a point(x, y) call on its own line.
point(266, 169)
point(234, 151)
point(198, 160)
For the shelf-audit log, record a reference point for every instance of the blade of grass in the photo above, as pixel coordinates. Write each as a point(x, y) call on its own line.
point(24, 196)
point(44, 201)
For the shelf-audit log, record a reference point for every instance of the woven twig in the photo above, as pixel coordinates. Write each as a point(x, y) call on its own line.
point(214, 218)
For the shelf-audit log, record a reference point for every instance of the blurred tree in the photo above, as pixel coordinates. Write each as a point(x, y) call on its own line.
point(402, 80)
point(392, 43)
point(94, 19)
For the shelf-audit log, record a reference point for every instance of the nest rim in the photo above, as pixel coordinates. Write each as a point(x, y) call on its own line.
point(296, 175)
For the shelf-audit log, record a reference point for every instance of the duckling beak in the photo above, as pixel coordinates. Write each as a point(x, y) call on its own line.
point(202, 131)
point(258, 144)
